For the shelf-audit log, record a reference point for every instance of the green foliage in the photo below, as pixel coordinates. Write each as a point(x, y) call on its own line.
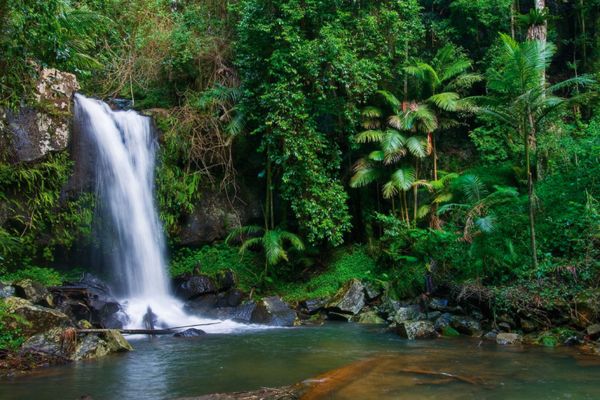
point(45, 276)
point(38, 220)
point(346, 264)
point(10, 334)
point(304, 68)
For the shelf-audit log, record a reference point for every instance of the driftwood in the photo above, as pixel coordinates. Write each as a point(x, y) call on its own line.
point(145, 331)
point(446, 377)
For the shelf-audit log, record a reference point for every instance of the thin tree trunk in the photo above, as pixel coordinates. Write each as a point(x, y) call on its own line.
point(415, 192)
point(528, 138)
point(512, 19)
point(434, 152)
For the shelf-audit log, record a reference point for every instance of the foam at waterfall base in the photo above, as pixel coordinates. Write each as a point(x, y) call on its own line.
point(170, 314)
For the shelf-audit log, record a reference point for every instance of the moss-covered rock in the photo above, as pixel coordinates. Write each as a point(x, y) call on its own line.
point(33, 319)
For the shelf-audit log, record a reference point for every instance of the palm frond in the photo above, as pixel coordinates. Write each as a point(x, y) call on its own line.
point(370, 136)
point(447, 101)
point(417, 145)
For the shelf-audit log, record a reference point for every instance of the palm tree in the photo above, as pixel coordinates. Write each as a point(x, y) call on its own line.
point(521, 100)
point(272, 241)
point(443, 80)
point(381, 165)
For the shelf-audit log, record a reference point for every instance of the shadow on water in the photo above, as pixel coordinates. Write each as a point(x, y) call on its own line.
point(363, 363)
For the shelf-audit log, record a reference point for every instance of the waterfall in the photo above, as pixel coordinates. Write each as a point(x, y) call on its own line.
point(126, 152)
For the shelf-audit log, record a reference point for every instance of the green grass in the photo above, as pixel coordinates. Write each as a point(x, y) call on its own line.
point(347, 263)
point(211, 259)
point(45, 276)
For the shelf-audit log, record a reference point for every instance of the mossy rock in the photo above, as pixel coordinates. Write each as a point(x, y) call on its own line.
point(33, 319)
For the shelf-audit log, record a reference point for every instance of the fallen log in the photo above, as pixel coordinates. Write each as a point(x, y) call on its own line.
point(166, 331)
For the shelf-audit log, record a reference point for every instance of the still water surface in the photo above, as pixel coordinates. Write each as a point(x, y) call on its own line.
point(166, 368)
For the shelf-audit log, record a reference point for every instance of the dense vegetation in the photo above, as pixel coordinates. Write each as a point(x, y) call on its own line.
point(396, 139)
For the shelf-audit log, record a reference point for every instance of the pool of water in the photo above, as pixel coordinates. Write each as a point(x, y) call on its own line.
point(167, 368)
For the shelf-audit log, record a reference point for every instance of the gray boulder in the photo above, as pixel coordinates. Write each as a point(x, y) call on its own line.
point(350, 299)
point(6, 290)
point(504, 338)
point(466, 326)
point(408, 313)
point(416, 330)
point(190, 333)
point(273, 311)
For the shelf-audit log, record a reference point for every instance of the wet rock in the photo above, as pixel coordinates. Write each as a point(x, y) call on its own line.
point(370, 318)
point(433, 315)
point(491, 335)
point(189, 333)
point(273, 311)
point(226, 279)
point(242, 313)
point(350, 299)
point(34, 292)
point(593, 331)
point(194, 286)
point(573, 341)
point(438, 304)
point(35, 131)
point(313, 306)
point(372, 291)
point(39, 319)
point(443, 321)
point(6, 290)
point(416, 330)
point(466, 326)
point(407, 313)
point(504, 338)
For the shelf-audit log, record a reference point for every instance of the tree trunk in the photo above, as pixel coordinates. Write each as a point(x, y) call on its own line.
point(538, 32)
point(528, 137)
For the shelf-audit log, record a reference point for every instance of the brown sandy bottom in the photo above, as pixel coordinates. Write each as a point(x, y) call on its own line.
point(429, 375)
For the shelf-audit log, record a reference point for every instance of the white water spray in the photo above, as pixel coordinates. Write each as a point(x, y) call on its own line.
point(126, 151)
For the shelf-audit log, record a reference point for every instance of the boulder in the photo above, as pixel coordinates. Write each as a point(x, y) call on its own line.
point(194, 286)
point(372, 291)
point(504, 338)
point(6, 290)
point(443, 321)
point(350, 299)
point(230, 298)
point(438, 305)
point(416, 330)
point(466, 326)
point(34, 292)
point(33, 319)
point(190, 333)
point(491, 335)
point(370, 318)
point(593, 331)
point(273, 311)
point(433, 315)
point(313, 306)
point(242, 313)
point(69, 345)
point(408, 313)
point(33, 131)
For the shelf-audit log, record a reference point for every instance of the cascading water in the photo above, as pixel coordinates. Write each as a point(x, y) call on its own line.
point(126, 149)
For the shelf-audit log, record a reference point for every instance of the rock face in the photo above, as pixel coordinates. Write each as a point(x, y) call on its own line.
point(273, 311)
point(350, 299)
point(33, 132)
point(69, 345)
point(416, 330)
point(408, 313)
point(370, 318)
point(38, 319)
point(215, 216)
